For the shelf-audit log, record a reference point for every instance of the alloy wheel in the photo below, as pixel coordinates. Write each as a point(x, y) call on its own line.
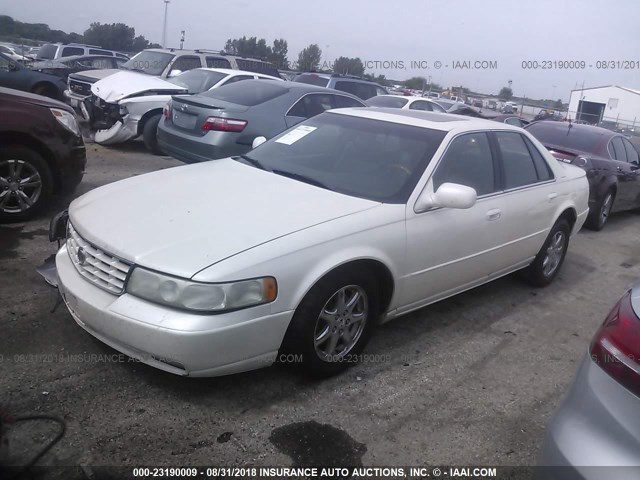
point(20, 186)
point(555, 252)
point(341, 323)
point(605, 210)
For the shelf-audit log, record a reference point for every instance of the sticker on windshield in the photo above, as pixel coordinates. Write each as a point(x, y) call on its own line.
point(296, 134)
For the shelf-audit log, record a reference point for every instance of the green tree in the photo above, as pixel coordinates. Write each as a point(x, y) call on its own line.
point(309, 58)
point(114, 36)
point(350, 66)
point(558, 105)
point(249, 47)
point(416, 83)
point(279, 54)
point(505, 93)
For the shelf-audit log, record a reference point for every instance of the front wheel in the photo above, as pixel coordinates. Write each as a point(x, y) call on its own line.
point(332, 324)
point(550, 257)
point(25, 183)
point(150, 134)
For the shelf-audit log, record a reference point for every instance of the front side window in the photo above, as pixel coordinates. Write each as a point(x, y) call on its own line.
point(468, 161)
point(361, 157)
point(342, 101)
point(519, 168)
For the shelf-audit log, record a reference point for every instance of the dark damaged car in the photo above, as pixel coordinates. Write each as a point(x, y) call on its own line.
point(41, 152)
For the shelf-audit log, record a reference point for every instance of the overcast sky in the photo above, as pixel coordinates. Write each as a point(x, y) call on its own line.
point(506, 31)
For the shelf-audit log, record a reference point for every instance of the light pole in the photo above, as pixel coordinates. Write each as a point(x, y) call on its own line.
point(164, 29)
point(182, 32)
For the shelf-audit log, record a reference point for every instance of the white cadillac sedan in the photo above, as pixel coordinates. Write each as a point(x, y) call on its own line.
point(303, 246)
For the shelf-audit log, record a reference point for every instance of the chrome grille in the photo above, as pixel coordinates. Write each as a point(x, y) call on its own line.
point(80, 88)
point(99, 267)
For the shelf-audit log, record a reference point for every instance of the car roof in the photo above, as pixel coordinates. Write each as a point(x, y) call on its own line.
point(588, 129)
point(437, 121)
point(231, 71)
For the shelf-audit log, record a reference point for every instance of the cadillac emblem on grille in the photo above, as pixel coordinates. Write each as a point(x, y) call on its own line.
point(82, 257)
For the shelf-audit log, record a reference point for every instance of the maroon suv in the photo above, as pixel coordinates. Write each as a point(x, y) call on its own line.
point(41, 152)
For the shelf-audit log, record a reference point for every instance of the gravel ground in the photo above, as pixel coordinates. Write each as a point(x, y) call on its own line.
point(470, 380)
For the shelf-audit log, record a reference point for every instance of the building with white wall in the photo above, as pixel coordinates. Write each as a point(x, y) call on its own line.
point(609, 104)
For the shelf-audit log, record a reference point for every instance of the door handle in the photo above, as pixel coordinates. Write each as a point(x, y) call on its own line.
point(494, 214)
point(552, 196)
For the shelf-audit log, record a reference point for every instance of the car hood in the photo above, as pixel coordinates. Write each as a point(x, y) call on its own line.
point(92, 76)
point(33, 99)
point(181, 220)
point(128, 84)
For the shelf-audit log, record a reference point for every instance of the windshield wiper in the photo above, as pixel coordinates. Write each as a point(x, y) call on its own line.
point(302, 178)
point(254, 162)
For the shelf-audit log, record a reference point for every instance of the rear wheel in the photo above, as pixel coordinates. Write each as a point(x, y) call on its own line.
point(597, 219)
point(550, 257)
point(334, 321)
point(25, 183)
point(150, 134)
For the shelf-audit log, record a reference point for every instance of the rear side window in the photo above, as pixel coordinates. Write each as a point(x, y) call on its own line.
point(618, 149)
point(257, 67)
point(312, 79)
point(247, 93)
point(70, 51)
point(542, 167)
point(518, 165)
point(421, 105)
point(95, 51)
point(632, 153)
point(468, 161)
point(217, 62)
point(186, 63)
point(311, 105)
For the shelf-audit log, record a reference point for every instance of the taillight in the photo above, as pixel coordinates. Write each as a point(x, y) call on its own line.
point(166, 111)
point(616, 346)
point(221, 124)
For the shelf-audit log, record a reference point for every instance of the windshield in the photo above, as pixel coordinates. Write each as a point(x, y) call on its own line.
point(575, 138)
point(312, 79)
point(151, 63)
point(361, 157)
point(197, 80)
point(391, 102)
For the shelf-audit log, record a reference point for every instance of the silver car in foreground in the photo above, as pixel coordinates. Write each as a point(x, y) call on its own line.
point(598, 423)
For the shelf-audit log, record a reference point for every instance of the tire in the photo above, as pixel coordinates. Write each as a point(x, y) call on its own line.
point(150, 134)
point(17, 165)
point(541, 273)
point(597, 218)
point(347, 332)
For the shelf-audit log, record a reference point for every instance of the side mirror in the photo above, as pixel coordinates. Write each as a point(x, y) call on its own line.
point(174, 73)
point(258, 141)
point(449, 195)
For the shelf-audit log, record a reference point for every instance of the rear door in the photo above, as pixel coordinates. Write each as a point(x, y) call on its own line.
point(627, 175)
point(530, 197)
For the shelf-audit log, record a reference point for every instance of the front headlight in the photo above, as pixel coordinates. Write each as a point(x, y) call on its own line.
point(201, 297)
point(67, 120)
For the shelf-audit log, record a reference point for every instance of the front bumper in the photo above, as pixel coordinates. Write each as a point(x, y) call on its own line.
point(172, 340)
point(121, 131)
point(597, 425)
